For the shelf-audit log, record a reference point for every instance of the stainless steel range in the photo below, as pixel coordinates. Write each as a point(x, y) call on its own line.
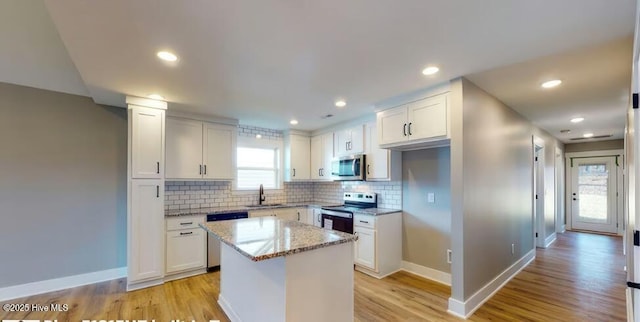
point(341, 218)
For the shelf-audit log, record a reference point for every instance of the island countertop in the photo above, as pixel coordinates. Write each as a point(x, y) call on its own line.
point(262, 238)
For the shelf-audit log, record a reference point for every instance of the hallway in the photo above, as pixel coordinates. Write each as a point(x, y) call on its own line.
point(580, 277)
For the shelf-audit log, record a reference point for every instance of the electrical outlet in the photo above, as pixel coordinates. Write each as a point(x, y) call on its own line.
point(431, 197)
point(449, 256)
point(513, 249)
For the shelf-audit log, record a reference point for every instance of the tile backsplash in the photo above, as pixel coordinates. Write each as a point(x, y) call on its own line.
point(389, 192)
point(205, 194)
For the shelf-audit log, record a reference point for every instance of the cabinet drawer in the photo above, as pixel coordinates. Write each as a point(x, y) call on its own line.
point(367, 221)
point(184, 222)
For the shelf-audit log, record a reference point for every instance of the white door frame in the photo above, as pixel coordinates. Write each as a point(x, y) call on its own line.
point(620, 189)
point(538, 189)
point(559, 193)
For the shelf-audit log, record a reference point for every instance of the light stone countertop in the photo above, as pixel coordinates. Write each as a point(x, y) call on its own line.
point(377, 211)
point(217, 210)
point(263, 238)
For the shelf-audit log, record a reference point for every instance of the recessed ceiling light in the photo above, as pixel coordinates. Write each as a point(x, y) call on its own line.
point(587, 135)
point(293, 122)
point(341, 103)
point(430, 70)
point(551, 83)
point(258, 136)
point(577, 120)
point(165, 55)
point(156, 97)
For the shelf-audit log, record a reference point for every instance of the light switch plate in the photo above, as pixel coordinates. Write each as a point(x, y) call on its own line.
point(431, 197)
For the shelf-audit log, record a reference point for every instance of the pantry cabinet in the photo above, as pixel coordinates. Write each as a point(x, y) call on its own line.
point(349, 141)
point(200, 150)
point(297, 157)
point(422, 121)
point(321, 156)
point(145, 192)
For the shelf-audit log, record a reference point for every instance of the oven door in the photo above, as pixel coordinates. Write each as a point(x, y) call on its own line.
point(337, 220)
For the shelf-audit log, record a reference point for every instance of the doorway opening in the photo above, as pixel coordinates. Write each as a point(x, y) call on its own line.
point(538, 192)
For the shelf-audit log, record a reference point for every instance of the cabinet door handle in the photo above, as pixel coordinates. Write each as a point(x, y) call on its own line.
point(205, 169)
point(298, 216)
point(294, 172)
point(200, 169)
point(158, 167)
point(186, 223)
point(157, 191)
point(404, 129)
point(368, 168)
point(410, 128)
point(364, 222)
point(189, 233)
point(320, 172)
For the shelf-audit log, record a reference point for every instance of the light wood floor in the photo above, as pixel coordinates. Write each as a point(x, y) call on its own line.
point(579, 278)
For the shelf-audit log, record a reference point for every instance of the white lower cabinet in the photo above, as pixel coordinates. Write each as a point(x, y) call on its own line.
point(365, 252)
point(316, 214)
point(145, 231)
point(186, 244)
point(378, 250)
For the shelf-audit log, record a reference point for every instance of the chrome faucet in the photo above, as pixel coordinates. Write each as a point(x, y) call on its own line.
point(261, 196)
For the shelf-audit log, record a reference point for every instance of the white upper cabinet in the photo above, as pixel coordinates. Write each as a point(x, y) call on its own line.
point(184, 149)
point(349, 141)
point(147, 145)
point(321, 156)
point(200, 150)
point(381, 164)
point(219, 151)
point(297, 157)
point(421, 121)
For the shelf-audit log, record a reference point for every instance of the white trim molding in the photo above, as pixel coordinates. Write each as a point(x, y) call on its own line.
point(428, 273)
point(550, 240)
point(56, 284)
point(466, 309)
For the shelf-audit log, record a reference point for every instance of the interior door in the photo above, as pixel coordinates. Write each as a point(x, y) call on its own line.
point(594, 194)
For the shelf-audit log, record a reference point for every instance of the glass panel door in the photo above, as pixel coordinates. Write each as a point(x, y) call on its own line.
point(593, 194)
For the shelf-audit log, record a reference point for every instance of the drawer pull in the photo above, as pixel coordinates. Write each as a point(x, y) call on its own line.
point(186, 223)
point(189, 233)
point(364, 222)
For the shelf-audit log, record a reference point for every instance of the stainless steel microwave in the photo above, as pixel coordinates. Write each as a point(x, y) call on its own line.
point(348, 168)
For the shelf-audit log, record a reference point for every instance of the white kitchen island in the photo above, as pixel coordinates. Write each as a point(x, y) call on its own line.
point(279, 270)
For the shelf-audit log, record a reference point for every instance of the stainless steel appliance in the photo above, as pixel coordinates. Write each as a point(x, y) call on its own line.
point(348, 168)
point(213, 244)
point(341, 218)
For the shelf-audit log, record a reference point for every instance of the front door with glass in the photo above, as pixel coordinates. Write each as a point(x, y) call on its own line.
point(594, 194)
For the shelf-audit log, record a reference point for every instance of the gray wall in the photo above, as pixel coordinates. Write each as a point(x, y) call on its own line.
point(595, 146)
point(426, 226)
point(63, 187)
point(491, 167)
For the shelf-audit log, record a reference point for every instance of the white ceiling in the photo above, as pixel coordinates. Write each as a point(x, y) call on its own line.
point(265, 62)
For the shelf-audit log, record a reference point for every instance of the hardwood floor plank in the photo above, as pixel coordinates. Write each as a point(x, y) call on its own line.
point(579, 278)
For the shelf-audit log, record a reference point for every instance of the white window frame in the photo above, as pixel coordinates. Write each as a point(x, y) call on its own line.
point(249, 142)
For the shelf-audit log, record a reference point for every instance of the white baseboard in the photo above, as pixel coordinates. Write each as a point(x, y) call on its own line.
point(56, 284)
point(426, 272)
point(144, 284)
point(231, 314)
point(549, 240)
point(466, 309)
point(181, 275)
